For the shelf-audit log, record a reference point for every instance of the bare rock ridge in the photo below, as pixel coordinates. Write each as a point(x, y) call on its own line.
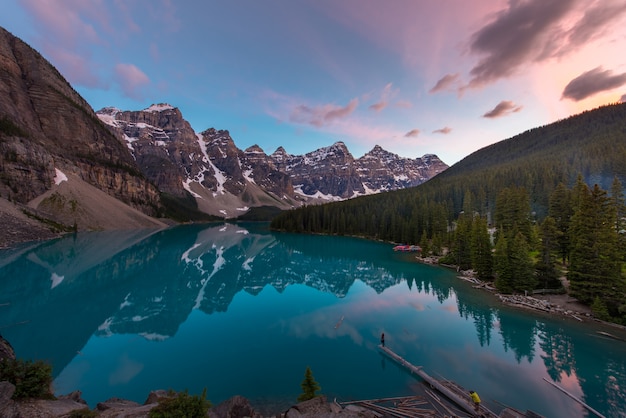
point(57, 155)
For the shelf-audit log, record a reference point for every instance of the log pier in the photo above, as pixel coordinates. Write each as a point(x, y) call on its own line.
point(455, 393)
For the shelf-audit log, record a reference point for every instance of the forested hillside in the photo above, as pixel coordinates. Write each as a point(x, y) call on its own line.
point(553, 195)
point(591, 144)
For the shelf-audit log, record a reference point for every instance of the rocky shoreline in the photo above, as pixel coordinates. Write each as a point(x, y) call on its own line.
point(559, 304)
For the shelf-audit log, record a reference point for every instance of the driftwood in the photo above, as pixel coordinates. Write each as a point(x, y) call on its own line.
point(399, 407)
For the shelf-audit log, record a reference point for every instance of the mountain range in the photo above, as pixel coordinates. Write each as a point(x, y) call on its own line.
point(78, 169)
point(226, 181)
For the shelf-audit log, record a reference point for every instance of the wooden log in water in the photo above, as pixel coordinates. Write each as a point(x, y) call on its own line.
point(462, 402)
point(614, 337)
point(575, 398)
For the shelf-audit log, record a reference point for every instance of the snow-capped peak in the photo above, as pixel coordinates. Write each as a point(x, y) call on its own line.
point(159, 107)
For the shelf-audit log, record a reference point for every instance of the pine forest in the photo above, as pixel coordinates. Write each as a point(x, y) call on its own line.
point(523, 213)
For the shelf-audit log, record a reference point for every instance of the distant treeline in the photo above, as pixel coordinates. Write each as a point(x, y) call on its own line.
point(587, 149)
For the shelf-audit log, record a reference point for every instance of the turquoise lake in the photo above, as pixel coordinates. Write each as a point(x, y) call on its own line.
point(240, 310)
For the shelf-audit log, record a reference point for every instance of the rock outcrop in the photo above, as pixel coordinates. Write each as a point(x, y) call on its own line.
point(6, 351)
point(46, 125)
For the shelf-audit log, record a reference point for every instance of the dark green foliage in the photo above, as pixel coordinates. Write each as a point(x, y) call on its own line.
point(31, 379)
point(561, 211)
point(309, 386)
point(546, 271)
point(501, 266)
point(522, 265)
point(513, 266)
point(595, 268)
point(482, 259)
point(512, 213)
point(600, 310)
point(617, 200)
point(461, 246)
point(182, 405)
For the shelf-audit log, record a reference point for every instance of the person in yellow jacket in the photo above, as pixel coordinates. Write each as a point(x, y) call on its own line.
point(475, 399)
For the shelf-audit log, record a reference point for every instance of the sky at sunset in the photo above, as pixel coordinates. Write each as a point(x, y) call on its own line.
point(444, 77)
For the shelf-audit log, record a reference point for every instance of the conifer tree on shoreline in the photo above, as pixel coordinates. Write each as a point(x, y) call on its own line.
point(309, 386)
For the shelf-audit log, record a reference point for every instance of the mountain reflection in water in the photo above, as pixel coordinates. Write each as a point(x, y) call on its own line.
point(240, 310)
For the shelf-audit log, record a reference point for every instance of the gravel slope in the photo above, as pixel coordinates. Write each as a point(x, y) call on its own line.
point(71, 202)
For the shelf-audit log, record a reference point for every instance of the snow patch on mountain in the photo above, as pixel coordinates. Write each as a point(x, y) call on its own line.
point(220, 177)
point(60, 177)
point(159, 107)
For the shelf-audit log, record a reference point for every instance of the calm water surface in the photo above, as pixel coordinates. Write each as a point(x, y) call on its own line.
point(237, 309)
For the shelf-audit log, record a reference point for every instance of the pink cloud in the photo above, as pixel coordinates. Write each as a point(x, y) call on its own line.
point(385, 96)
point(322, 115)
point(131, 79)
point(413, 133)
point(537, 30)
point(377, 107)
point(444, 131)
point(505, 107)
point(287, 109)
point(592, 82)
point(64, 22)
point(445, 83)
point(623, 99)
point(71, 31)
point(74, 67)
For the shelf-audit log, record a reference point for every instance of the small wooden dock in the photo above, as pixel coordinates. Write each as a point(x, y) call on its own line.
point(455, 393)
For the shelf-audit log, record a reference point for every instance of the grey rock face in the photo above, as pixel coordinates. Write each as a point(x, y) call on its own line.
point(6, 351)
point(45, 125)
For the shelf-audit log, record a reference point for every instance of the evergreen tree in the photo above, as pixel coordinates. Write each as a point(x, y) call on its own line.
point(425, 245)
point(513, 265)
point(462, 240)
point(502, 267)
point(309, 386)
point(561, 211)
point(579, 191)
point(482, 259)
point(595, 269)
point(547, 274)
point(513, 212)
point(521, 264)
point(617, 199)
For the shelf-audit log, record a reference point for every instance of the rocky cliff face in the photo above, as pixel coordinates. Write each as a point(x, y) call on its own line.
point(161, 142)
point(45, 125)
point(227, 181)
